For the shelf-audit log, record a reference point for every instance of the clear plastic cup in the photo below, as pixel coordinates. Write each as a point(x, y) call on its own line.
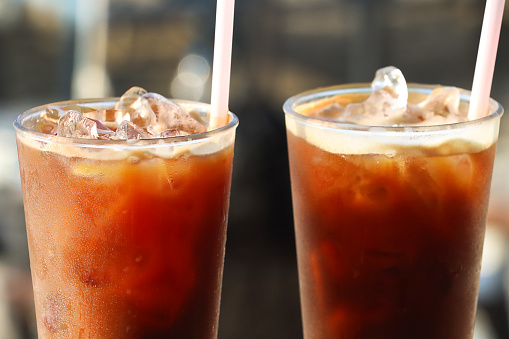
point(126, 238)
point(389, 221)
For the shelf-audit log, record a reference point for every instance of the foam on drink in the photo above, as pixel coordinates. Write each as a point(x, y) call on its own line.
point(137, 117)
point(390, 187)
point(390, 104)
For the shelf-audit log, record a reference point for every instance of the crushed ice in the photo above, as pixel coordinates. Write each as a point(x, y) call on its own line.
point(388, 105)
point(137, 115)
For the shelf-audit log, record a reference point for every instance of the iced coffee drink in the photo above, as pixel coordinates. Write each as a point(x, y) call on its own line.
point(390, 187)
point(126, 204)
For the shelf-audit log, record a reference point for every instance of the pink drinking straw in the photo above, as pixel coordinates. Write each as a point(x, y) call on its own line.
point(485, 65)
point(222, 63)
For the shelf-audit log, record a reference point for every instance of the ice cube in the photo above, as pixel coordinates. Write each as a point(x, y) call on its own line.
point(391, 80)
point(377, 109)
point(171, 133)
point(53, 113)
point(143, 115)
point(109, 115)
point(129, 130)
point(130, 99)
point(103, 131)
point(59, 111)
point(171, 116)
point(373, 193)
point(334, 111)
point(388, 105)
point(443, 101)
point(422, 186)
point(137, 115)
point(132, 102)
point(388, 99)
point(48, 122)
point(110, 118)
point(74, 125)
point(440, 107)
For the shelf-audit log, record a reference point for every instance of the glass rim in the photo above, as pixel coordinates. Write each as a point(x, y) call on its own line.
point(118, 143)
point(321, 93)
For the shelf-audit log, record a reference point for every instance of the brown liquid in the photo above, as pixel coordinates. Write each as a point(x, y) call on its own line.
point(127, 248)
point(389, 248)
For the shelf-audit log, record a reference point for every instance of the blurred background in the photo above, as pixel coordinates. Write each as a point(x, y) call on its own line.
point(54, 50)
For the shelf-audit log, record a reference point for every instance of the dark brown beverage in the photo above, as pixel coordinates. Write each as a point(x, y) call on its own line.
point(389, 247)
point(389, 223)
point(126, 237)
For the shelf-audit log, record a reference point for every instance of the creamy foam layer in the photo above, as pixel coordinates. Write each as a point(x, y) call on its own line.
point(466, 137)
point(162, 149)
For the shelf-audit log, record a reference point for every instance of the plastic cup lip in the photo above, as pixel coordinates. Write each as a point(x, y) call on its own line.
point(108, 103)
point(318, 94)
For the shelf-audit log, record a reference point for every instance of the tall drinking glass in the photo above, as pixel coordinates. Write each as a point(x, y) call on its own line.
point(389, 221)
point(126, 237)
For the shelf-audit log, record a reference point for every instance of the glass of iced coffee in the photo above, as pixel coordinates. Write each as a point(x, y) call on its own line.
point(126, 203)
point(390, 187)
